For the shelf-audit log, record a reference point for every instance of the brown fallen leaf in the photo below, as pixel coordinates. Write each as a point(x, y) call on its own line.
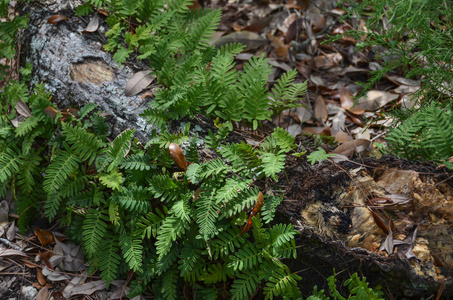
point(87, 288)
point(321, 112)
point(140, 81)
point(375, 99)
point(41, 279)
point(45, 236)
point(43, 294)
point(349, 148)
point(281, 49)
point(178, 156)
point(11, 252)
point(258, 25)
point(348, 103)
point(328, 61)
point(56, 19)
point(250, 39)
point(93, 25)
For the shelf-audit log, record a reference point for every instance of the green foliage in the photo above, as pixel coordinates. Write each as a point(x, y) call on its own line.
point(123, 202)
point(427, 134)
point(318, 155)
point(358, 290)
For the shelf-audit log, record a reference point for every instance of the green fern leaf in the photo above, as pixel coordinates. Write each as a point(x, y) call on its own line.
point(169, 284)
point(63, 165)
point(134, 199)
point(273, 163)
point(245, 285)
point(132, 250)
point(280, 283)
point(116, 153)
point(94, 231)
point(190, 256)
point(269, 207)
point(169, 231)
point(207, 214)
point(227, 242)
point(245, 258)
point(85, 144)
point(29, 171)
point(26, 126)
point(231, 188)
point(112, 180)
point(217, 273)
point(282, 233)
point(151, 223)
point(109, 259)
point(139, 162)
point(9, 164)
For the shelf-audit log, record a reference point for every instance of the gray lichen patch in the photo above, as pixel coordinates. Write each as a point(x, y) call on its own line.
point(95, 72)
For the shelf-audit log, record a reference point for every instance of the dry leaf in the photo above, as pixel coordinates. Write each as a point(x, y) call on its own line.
point(178, 156)
point(348, 103)
point(56, 19)
point(11, 252)
point(57, 295)
point(140, 81)
point(349, 148)
point(375, 99)
point(321, 112)
point(317, 130)
point(328, 61)
point(258, 25)
point(147, 94)
point(87, 288)
point(294, 130)
point(250, 39)
point(45, 237)
point(43, 294)
point(51, 111)
point(23, 109)
point(281, 49)
point(11, 233)
point(41, 279)
point(93, 25)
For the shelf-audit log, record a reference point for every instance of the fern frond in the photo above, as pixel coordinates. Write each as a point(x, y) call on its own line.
point(245, 258)
point(280, 283)
point(226, 242)
point(231, 189)
point(109, 259)
point(182, 209)
point(117, 151)
point(63, 165)
point(245, 285)
point(282, 233)
point(134, 199)
point(201, 28)
point(217, 273)
point(207, 214)
point(164, 188)
point(26, 126)
point(9, 164)
point(169, 284)
point(273, 163)
point(245, 200)
point(112, 180)
point(168, 232)
point(151, 223)
point(269, 207)
point(138, 162)
point(85, 144)
point(190, 256)
point(94, 231)
point(132, 249)
point(29, 172)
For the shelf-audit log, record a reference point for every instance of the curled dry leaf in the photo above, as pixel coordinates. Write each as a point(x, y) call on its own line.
point(140, 81)
point(259, 204)
point(250, 39)
point(328, 61)
point(321, 112)
point(349, 148)
point(93, 25)
point(178, 156)
point(56, 19)
point(41, 279)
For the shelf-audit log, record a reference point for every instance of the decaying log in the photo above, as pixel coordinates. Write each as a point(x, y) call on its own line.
point(334, 205)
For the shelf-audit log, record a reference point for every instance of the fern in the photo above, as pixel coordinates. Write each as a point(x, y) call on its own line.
point(245, 258)
point(9, 164)
point(273, 163)
point(115, 154)
point(190, 256)
point(169, 284)
point(280, 282)
point(169, 231)
point(94, 231)
point(63, 165)
point(134, 199)
point(132, 250)
point(110, 261)
point(245, 285)
point(281, 234)
point(138, 162)
point(84, 144)
point(151, 223)
point(217, 273)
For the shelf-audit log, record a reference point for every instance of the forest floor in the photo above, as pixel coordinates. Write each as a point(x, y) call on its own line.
point(292, 34)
